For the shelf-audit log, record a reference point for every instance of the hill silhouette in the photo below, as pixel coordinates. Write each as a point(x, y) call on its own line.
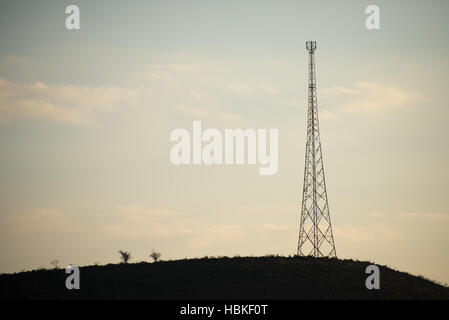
point(269, 277)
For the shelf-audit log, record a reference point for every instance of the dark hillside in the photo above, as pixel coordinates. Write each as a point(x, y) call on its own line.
point(223, 278)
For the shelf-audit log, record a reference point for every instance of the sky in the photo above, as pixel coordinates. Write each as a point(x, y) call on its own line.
point(86, 116)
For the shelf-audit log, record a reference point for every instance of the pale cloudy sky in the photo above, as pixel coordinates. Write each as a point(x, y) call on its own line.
point(85, 119)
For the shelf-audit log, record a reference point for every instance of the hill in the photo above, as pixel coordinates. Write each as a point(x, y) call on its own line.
point(269, 277)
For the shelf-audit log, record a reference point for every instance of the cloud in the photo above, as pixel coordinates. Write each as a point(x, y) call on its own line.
point(372, 214)
point(270, 90)
point(196, 91)
point(372, 98)
point(146, 211)
point(326, 114)
point(239, 87)
point(210, 235)
point(426, 216)
point(76, 105)
point(206, 91)
point(201, 113)
point(130, 223)
point(363, 236)
point(194, 111)
point(137, 221)
point(124, 221)
point(38, 221)
point(168, 71)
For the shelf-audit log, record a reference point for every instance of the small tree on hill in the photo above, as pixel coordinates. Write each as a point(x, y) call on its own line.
point(125, 256)
point(155, 255)
point(55, 263)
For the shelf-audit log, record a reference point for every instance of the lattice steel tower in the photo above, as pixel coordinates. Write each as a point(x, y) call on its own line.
point(315, 231)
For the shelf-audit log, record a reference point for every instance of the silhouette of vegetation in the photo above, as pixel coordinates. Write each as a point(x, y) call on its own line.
point(155, 255)
point(125, 256)
point(272, 277)
point(55, 263)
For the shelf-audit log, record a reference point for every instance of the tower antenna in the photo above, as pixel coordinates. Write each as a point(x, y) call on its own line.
point(315, 230)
